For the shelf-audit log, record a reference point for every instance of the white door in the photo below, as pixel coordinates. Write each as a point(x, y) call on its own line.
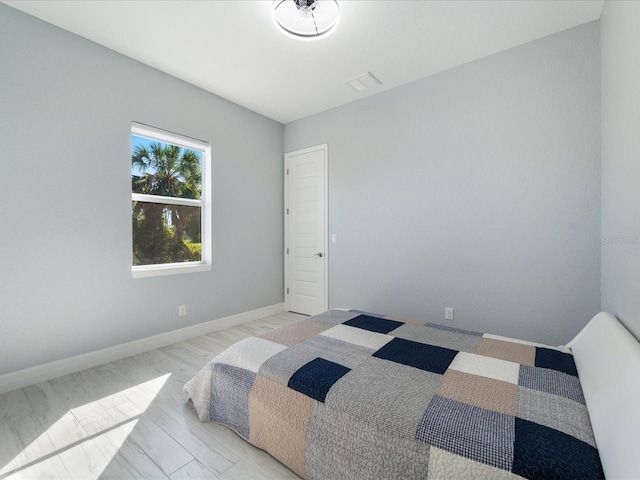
point(305, 259)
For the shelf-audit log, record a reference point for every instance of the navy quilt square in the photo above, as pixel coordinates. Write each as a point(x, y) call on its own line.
point(419, 355)
point(551, 381)
point(555, 360)
point(315, 378)
point(542, 452)
point(373, 324)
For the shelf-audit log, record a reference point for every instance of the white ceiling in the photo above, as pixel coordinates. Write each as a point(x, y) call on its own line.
point(233, 49)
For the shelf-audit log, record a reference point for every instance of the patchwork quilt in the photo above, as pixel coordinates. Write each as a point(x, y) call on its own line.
point(355, 395)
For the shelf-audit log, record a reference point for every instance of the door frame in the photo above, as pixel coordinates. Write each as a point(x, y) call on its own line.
point(325, 259)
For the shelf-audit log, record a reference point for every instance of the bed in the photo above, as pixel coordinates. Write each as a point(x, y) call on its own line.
point(353, 395)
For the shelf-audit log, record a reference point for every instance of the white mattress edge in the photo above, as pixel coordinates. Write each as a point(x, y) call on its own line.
point(607, 358)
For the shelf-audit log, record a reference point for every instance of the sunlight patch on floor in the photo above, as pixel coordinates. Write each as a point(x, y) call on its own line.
point(84, 441)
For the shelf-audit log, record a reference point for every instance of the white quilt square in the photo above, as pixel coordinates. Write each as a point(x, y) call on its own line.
point(358, 336)
point(512, 340)
point(250, 353)
point(560, 348)
point(486, 367)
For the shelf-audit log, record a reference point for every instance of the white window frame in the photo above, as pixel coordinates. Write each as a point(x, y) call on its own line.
point(139, 271)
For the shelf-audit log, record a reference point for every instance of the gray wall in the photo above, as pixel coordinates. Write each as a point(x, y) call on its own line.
point(621, 162)
point(66, 107)
point(477, 188)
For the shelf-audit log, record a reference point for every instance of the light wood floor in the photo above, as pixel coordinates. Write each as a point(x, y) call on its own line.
point(130, 419)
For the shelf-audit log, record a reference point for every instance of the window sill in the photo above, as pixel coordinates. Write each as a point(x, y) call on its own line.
point(168, 269)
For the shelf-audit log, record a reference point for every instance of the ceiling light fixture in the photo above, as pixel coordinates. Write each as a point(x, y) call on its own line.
point(306, 19)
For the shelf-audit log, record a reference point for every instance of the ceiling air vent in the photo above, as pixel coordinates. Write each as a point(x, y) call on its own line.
point(363, 82)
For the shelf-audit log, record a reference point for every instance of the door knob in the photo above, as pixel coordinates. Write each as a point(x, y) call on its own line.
point(319, 254)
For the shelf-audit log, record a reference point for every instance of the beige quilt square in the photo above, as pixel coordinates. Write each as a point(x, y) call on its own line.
point(294, 332)
point(510, 351)
point(278, 420)
point(445, 465)
point(483, 392)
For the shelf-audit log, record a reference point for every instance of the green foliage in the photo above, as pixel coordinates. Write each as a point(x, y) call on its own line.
point(165, 233)
point(150, 234)
point(195, 249)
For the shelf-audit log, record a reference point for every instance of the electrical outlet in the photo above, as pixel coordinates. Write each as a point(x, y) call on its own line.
point(182, 310)
point(448, 313)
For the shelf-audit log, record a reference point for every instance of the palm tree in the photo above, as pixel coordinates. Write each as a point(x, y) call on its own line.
point(158, 230)
point(168, 170)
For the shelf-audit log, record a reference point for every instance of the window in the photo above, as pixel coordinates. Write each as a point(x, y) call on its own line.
point(171, 203)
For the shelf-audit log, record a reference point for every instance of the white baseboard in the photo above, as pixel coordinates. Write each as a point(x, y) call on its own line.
point(47, 371)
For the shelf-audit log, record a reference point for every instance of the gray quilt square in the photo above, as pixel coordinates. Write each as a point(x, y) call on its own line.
point(338, 442)
point(281, 366)
point(334, 317)
point(453, 340)
point(555, 412)
point(368, 314)
point(230, 388)
point(454, 329)
point(389, 395)
point(472, 432)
